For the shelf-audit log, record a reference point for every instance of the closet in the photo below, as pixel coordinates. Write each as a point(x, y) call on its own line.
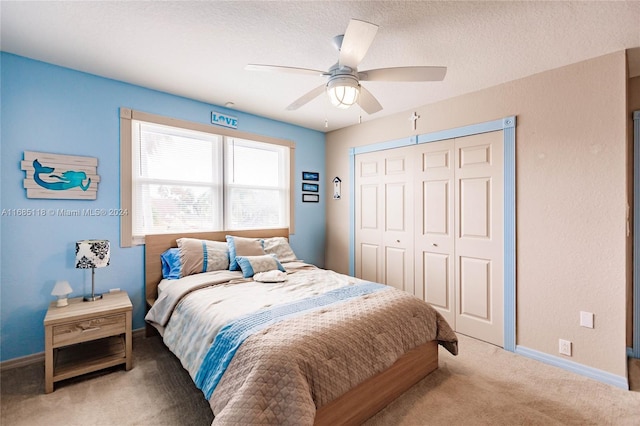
point(429, 220)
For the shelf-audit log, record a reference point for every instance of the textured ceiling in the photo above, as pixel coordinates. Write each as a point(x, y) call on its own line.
point(199, 49)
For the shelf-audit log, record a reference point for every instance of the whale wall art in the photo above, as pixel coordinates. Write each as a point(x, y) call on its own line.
point(58, 176)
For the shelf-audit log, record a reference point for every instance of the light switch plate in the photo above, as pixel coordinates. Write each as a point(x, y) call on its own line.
point(586, 319)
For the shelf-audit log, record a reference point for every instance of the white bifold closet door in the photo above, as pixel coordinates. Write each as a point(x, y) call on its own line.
point(384, 218)
point(456, 206)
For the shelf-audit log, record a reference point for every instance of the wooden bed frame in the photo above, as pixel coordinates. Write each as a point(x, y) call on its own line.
point(355, 406)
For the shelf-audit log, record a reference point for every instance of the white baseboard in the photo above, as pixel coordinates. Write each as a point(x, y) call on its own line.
point(39, 357)
point(574, 367)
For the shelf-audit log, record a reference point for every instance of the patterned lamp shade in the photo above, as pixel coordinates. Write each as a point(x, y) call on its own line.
point(92, 254)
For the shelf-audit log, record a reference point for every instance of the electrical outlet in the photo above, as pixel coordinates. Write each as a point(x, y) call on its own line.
point(114, 290)
point(564, 347)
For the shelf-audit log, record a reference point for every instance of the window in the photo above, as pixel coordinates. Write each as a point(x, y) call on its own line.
point(176, 180)
point(256, 185)
point(189, 177)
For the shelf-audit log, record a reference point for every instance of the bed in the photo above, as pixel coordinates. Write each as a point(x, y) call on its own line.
point(291, 370)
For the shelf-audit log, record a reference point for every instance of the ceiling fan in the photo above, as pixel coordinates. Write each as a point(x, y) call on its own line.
point(343, 85)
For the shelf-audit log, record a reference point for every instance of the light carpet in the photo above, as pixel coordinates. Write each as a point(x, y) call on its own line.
point(484, 385)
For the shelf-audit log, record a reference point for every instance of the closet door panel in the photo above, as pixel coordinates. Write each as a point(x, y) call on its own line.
point(479, 236)
point(438, 282)
point(395, 207)
point(369, 262)
point(475, 208)
point(397, 236)
point(395, 267)
point(369, 215)
point(475, 286)
point(437, 211)
point(434, 233)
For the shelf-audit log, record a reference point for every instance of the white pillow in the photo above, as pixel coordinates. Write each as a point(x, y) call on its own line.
point(274, 276)
point(281, 248)
point(240, 246)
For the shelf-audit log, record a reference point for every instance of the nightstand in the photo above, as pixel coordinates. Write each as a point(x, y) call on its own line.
point(86, 336)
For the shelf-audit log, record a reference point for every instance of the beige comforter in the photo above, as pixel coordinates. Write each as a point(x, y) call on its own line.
point(282, 373)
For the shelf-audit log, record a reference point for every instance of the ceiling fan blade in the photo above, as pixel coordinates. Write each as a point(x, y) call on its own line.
point(404, 74)
point(356, 42)
point(278, 68)
point(309, 96)
point(368, 102)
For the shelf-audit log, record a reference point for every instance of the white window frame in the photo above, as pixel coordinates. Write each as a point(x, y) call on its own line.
point(127, 116)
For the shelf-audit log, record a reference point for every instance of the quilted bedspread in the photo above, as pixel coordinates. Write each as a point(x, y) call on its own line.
point(282, 373)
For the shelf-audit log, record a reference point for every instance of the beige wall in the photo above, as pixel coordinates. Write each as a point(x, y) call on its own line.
point(571, 198)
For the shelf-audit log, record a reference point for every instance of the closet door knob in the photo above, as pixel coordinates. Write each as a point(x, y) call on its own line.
point(397, 241)
point(434, 244)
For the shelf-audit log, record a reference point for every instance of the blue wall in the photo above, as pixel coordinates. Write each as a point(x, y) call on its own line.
point(52, 109)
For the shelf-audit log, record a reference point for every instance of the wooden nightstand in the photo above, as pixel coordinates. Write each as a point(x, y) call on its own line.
point(86, 336)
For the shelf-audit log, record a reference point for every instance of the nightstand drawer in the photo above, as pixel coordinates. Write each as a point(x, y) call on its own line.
point(89, 329)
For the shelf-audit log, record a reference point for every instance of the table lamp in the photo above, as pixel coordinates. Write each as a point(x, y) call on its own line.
point(61, 290)
point(92, 254)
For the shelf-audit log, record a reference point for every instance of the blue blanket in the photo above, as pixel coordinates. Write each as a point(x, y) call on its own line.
point(231, 336)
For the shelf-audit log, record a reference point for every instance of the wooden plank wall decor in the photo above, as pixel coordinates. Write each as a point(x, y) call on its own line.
point(56, 176)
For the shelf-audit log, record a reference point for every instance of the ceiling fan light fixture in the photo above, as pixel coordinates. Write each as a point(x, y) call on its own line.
point(343, 91)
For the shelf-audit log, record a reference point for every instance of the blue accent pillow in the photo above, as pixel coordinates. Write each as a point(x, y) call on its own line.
point(171, 264)
point(251, 265)
point(240, 246)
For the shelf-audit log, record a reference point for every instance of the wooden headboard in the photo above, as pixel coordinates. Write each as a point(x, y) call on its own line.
point(157, 244)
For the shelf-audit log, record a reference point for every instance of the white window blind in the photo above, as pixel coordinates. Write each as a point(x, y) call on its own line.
point(256, 184)
point(177, 180)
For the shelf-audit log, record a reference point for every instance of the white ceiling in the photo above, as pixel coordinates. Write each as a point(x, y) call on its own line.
point(198, 49)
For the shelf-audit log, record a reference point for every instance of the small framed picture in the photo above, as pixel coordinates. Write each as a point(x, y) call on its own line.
point(311, 187)
point(310, 176)
point(310, 198)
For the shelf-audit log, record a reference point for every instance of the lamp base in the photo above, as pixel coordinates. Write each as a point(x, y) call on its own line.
point(92, 298)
